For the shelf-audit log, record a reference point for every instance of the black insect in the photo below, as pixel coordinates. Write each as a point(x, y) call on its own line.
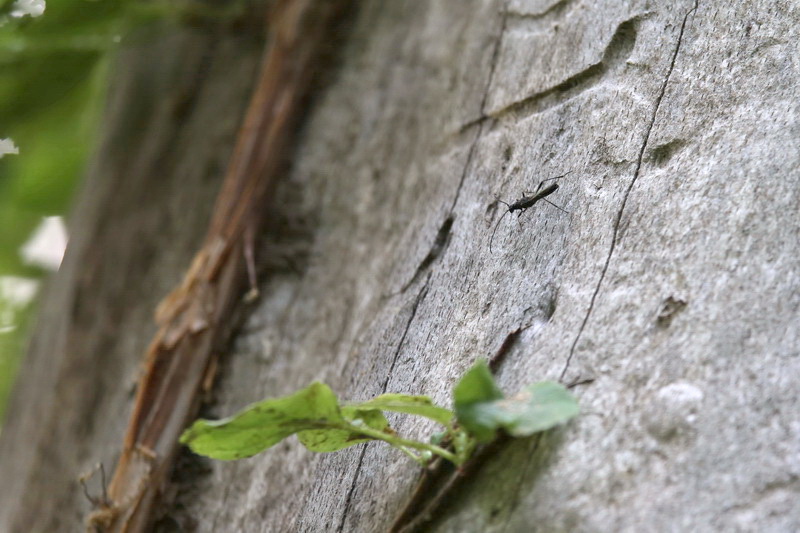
point(528, 201)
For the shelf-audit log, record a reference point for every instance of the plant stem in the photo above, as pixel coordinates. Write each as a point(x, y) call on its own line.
point(400, 442)
point(412, 455)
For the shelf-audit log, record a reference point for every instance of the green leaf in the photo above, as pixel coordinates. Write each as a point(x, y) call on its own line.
point(408, 404)
point(478, 421)
point(438, 437)
point(477, 385)
point(539, 407)
point(481, 409)
point(476, 388)
point(331, 440)
point(266, 423)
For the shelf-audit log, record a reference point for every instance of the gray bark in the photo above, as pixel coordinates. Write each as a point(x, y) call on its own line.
point(672, 282)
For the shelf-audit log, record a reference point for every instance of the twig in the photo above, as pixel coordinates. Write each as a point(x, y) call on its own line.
point(191, 318)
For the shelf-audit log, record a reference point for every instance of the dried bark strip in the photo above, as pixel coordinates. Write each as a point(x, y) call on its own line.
point(190, 318)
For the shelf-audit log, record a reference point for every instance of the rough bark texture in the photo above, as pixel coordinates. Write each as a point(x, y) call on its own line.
point(673, 282)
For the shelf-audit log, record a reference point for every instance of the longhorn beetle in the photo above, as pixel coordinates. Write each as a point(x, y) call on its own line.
point(528, 201)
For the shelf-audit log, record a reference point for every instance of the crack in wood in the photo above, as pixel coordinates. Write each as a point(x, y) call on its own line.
point(554, 10)
point(615, 230)
point(403, 518)
point(616, 53)
point(420, 296)
point(482, 110)
point(500, 355)
point(348, 500)
point(662, 153)
point(439, 244)
point(443, 235)
point(437, 482)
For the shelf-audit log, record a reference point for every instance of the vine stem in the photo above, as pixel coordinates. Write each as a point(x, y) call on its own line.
point(416, 458)
point(400, 442)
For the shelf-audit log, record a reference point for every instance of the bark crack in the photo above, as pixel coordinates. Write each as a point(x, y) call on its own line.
point(482, 110)
point(420, 296)
point(445, 230)
point(614, 57)
point(616, 52)
point(348, 500)
point(617, 220)
point(352, 489)
point(500, 355)
point(555, 10)
point(439, 244)
point(437, 248)
point(537, 440)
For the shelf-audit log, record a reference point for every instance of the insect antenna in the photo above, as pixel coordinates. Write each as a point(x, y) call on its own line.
point(491, 240)
point(551, 179)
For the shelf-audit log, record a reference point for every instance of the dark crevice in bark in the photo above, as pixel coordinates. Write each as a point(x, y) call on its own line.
point(420, 296)
point(443, 235)
point(438, 480)
point(348, 500)
point(500, 355)
point(439, 245)
point(617, 220)
point(616, 53)
point(556, 10)
point(538, 453)
point(495, 56)
point(662, 153)
point(482, 110)
point(437, 484)
point(523, 476)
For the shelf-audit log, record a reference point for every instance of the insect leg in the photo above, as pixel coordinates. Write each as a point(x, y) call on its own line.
point(554, 205)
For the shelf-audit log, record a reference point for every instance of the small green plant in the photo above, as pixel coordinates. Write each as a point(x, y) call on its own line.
point(323, 425)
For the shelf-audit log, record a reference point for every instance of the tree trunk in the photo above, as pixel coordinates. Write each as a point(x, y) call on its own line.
point(671, 282)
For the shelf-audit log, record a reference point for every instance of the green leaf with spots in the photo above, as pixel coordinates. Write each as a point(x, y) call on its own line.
point(331, 440)
point(410, 405)
point(322, 425)
point(312, 410)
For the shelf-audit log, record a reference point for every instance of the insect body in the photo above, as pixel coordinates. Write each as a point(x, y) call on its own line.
point(528, 201)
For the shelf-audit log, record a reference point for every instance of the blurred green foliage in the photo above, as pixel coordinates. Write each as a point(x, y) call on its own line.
point(52, 74)
point(53, 71)
point(49, 96)
point(51, 80)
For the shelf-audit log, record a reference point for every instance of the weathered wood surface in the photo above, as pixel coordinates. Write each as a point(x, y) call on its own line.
point(673, 282)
